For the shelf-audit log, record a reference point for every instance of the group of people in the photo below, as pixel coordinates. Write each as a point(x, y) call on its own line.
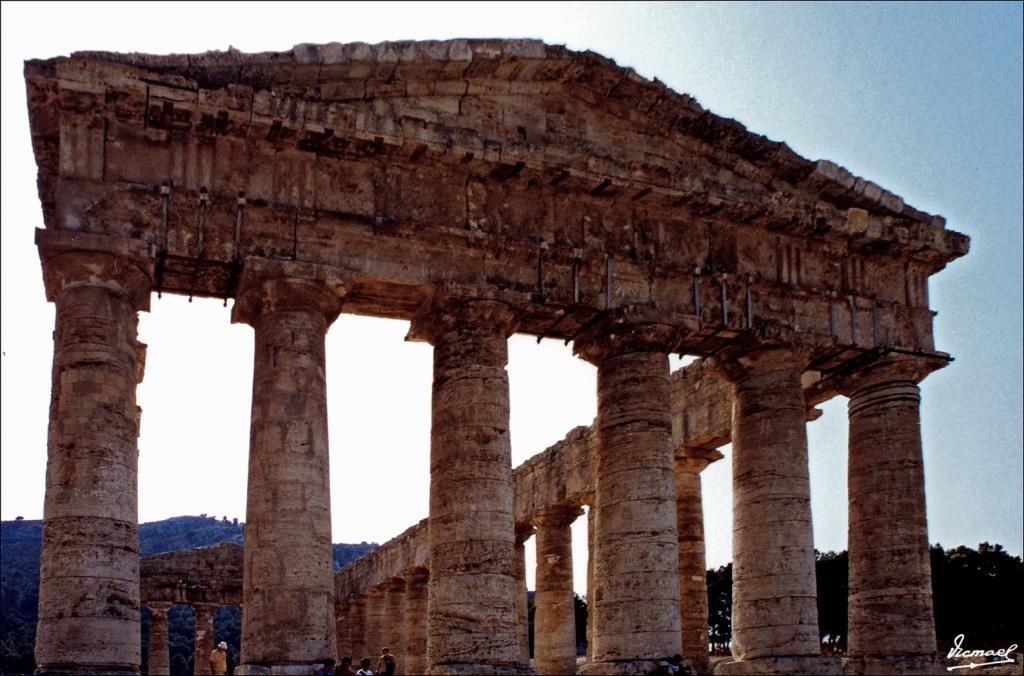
point(386, 666)
point(675, 665)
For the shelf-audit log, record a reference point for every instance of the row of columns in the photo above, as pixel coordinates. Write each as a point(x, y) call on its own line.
point(159, 656)
point(89, 591)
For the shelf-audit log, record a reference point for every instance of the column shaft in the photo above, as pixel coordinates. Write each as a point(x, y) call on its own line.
point(288, 582)
point(522, 602)
point(471, 625)
point(637, 599)
point(357, 615)
point(159, 663)
point(416, 624)
point(693, 585)
point(395, 623)
point(554, 622)
point(343, 623)
point(890, 571)
point(89, 562)
point(591, 589)
point(774, 611)
point(204, 637)
point(376, 617)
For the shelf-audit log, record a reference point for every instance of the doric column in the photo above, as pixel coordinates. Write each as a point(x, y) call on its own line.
point(416, 621)
point(159, 663)
point(288, 581)
point(693, 583)
point(89, 619)
point(376, 616)
point(357, 620)
point(774, 598)
point(591, 602)
point(471, 624)
point(636, 582)
point(394, 621)
point(554, 620)
point(343, 623)
point(204, 637)
point(891, 621)
point(523, 533)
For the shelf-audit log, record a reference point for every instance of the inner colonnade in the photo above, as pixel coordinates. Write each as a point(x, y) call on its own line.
point(481, 188)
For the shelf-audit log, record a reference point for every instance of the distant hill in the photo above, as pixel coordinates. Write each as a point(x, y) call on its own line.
point(20, 542)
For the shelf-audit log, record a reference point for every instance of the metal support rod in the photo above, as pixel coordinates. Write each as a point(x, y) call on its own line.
point(832, 314)
point(725, 301)
point(696, 292)
point(540, 267)
point(608, 282)
point(575, 276)
point(238, 225)
point(750, 303)
point(204, 198)
point(874, 322)
point(853, 320)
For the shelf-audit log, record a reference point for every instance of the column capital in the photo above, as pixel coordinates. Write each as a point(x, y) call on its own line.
point(556, 516)
point(267, 286)
point(72, 259)
point(889, 368)
point(632, 329)
point(158, 607)
point(393, 584)
point(524, 532)
point(417, 575)
point(454, 310)
point(695, 459)
point(768, 347)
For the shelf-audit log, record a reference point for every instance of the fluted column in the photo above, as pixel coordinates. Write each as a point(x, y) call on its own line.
point(204, 637)
point(774, 610)
point(554, 620)
point(159, 663)
point(395, 620)
point(288, 582)
point(891, 620)
point(636, 600)
point(416, 621)
point(522, 601)
point(376, 616)
point(693, 583)
point(89, 615)
point(357, 619)
point(343, 623)
point(471, 623)
point(591, 597)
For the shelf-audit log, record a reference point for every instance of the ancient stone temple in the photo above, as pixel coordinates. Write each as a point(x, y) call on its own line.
point(478, 189)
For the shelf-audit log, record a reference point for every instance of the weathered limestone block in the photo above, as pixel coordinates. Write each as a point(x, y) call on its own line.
point(774, 615)
point(204, 637)
point(89, 563)
point(693, 586)
point(522, 602)
point(890, 604)
point(394, 621)
point(416, 621)
point(554, 619)
point(159, 663)
point(471, 624)
point(636, 597)
point(288, 617)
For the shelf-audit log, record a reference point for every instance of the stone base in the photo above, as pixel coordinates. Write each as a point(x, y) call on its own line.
point(794, 666)
point(618, 668)
point(276, 669)
point(467, 669)
point(913, 664)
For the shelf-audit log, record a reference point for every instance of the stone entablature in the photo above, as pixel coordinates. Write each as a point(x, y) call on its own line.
point(202, 575)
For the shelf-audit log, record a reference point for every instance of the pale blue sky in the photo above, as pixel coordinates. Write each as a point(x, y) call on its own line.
point(924, 99)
